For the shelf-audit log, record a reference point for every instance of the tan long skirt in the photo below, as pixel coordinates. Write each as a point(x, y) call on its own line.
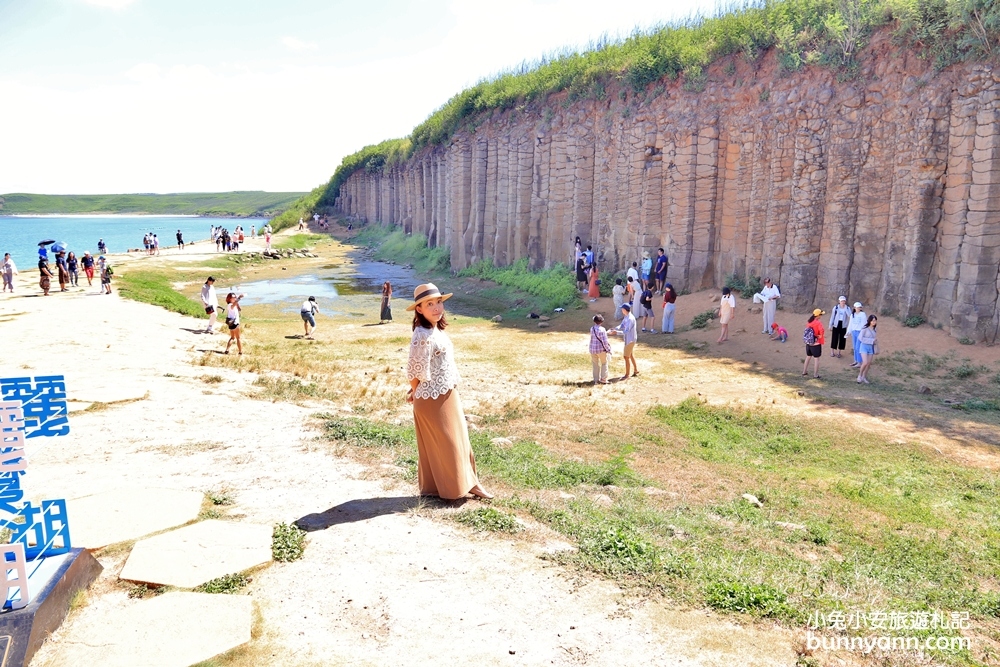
point(447, 466)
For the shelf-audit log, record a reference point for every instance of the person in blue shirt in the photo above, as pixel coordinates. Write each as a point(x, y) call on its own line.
point(627, 330)
point(660, 270)
point(647, 268)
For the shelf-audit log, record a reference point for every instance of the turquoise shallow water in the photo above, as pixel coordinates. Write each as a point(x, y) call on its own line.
point(19, 235)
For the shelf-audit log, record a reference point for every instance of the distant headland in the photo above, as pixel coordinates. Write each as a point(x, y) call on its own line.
point(243, 204)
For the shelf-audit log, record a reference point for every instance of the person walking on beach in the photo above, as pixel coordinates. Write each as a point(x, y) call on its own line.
point(253, 231)
point(727, 311)
point(44, 274)
point(600, 348)
point(446, 466)
point(868, 339)
point(669, 299)
point(88, 266)
point(594, 284)
point(627, 330)
point(9, 270)
point(267, 240)
point(145, 244)
point(210, 301)
point(72, 266)
point(233, 321)
point(770, 295)
point(106, 274)
point(308, 313)
point(62, 270)
point(813, 337)
point(618, 296)
point(385, 309)
point(180, 240)
point(840, 319)
point(858, 321)
point(660, 269)
point(101, 247)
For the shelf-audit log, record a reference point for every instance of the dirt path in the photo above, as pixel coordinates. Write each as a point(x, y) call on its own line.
point(381, 581)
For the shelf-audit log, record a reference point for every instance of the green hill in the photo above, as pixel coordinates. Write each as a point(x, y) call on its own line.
point(225, 204)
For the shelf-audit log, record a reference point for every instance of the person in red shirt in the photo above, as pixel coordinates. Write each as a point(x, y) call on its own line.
point(814, 348)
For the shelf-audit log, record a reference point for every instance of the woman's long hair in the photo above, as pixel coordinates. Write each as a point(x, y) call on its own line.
point(421, 321)
point(871, 318)
point(810, 320)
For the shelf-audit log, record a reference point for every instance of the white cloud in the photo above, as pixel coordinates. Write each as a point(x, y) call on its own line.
point(144, 72)
point(296, 44)
point(110, 4)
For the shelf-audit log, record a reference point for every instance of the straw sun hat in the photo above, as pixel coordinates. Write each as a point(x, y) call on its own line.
point(426, 292)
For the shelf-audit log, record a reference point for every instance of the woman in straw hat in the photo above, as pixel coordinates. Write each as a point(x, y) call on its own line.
point(447, 466)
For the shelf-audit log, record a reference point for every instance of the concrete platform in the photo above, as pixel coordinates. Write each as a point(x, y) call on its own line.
point(170, 630)
point(128, 514)
point(190, 556)
point(22, 631)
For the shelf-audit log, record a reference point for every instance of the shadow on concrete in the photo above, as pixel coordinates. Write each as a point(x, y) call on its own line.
point(361, 509)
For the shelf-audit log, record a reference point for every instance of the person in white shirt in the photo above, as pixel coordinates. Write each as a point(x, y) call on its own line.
point(211, 303)
point(770, 294)
point(840, 318)
point(858, 321)
point(308, 313)
point(633, 273)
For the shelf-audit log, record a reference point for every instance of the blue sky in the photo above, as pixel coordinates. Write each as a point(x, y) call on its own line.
point(102, 96)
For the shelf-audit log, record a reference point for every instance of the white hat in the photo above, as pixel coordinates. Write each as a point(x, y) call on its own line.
point(857, 304)
point(842, 298)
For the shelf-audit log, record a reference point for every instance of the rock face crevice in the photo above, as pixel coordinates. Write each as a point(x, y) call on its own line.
point(885, 188)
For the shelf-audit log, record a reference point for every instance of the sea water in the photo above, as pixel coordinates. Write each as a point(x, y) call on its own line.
point(19, 235)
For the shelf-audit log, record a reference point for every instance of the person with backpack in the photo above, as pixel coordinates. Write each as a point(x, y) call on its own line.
point(813, 338)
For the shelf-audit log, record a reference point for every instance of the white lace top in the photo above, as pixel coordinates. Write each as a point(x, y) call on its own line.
point(432, 361)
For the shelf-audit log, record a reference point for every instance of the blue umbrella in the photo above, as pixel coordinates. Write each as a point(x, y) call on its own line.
point(58, 246)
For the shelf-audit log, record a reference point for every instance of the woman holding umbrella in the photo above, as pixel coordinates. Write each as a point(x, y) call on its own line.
point(44, 274)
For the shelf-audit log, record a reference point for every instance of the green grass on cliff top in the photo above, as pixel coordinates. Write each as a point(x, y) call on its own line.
point(802, 32)
point(243, 204)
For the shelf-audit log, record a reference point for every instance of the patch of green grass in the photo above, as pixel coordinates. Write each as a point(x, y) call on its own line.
point(288, 543)
point(555, 285)
point(914, 321)
point(980, 404)
point(701, 320)
point(219, 498)
point(745, 286)
point(489, 519)
point(393, 244)
point(966, 370)
point(153, 288)
point(280, 389)
point(229, 584)
point(966, 341)
point(756, 599)
point(299, 241)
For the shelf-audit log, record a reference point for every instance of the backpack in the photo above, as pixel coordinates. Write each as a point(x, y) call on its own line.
point(809, 336)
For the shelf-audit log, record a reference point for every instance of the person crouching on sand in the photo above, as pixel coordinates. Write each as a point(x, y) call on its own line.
point(446, 466)
point(308, 313)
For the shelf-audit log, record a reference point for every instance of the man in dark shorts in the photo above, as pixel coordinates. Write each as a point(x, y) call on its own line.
point(660, 269)
point(180, 240)
point(813, 337)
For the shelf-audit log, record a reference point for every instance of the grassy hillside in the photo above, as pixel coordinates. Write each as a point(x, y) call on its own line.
point(829, 33)
point(241, 204)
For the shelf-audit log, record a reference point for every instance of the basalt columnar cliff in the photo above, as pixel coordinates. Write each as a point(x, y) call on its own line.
point(884, 187)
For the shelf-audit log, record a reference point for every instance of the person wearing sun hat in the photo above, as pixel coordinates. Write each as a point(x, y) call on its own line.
point(446, 466)
point(813, 338)
point(840, 318)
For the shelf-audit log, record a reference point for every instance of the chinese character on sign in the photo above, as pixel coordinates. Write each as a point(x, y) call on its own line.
point(43, 400)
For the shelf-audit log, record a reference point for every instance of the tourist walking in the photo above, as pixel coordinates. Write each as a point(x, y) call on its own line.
point(600, 349)
point(180, 240)
point(840, 319)
point(769, 295)
point(385, 308)
point(669, 301)
point(101, 247)
point(660, 269)
point(727, 311)
point(233, 321)
point(44, 274)
point(9, 270)
point(446, 466)
point(88, 266)
point(627, 330)
point(646, 308)
point(72, 266)
point(253, 231)
point(813, 337)
point(62, 270)
point(868, 338)
point(594, 285)
point(210, 301)
point(308, 313)
point(858, 321)
point(106, 274)
point(267, 240)
point(618, 296)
